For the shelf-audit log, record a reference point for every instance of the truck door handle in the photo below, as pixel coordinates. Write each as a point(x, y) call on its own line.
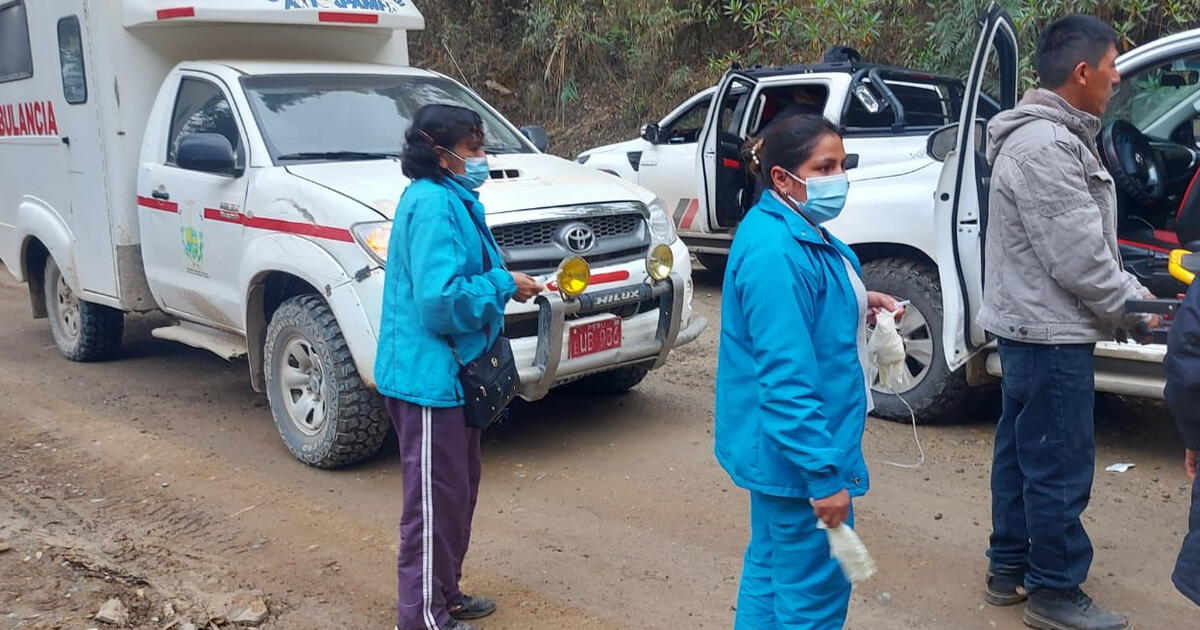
point(161, 194)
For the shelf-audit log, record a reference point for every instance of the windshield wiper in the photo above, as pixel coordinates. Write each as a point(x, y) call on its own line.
point(337, 155)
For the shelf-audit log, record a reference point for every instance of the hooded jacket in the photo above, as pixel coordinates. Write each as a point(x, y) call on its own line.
point(1052, 272)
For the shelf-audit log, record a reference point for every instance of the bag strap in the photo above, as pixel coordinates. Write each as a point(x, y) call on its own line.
point(488, 265)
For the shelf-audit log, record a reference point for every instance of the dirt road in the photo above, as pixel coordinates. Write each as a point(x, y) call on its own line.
point(159, 479)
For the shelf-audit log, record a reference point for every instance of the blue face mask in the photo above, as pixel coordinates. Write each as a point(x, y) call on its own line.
point(826, 196)
point(477, 173)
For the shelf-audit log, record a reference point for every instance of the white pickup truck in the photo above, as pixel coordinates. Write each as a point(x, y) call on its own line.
point(918, 224)
point(691, 159)
point(233, 164)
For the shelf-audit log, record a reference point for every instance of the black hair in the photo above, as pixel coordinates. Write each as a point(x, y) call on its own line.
point(436, 126)
point(1069, 41)
point(787, 144)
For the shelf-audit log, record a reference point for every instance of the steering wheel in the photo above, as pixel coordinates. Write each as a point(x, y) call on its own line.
point(1136, 168)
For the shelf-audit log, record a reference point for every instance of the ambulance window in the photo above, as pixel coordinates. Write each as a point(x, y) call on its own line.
point(70, 59)
point(16, 59)
point(201, 107)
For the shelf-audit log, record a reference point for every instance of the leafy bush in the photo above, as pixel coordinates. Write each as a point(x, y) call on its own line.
point(598, 66)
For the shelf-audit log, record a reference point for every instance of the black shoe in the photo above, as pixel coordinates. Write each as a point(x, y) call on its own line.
point(1070, 610)
point(473, 607)
point(1005, 588)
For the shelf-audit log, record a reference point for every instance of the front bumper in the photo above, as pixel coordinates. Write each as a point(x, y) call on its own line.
point(543, 361)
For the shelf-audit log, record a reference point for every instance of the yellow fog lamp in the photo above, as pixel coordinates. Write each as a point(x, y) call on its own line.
point(573, 277)
point(660, 263)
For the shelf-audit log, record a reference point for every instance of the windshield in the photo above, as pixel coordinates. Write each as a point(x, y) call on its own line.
point(324, 117)
point(1147, 96)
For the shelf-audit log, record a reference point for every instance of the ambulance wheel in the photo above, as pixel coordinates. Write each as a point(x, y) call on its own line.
point(937, 392)
point(613, 382)
point(325, 414)
point(82, 330)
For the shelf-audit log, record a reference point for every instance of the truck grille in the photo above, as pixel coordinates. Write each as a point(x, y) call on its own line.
point(537, 247)
point(542, 232)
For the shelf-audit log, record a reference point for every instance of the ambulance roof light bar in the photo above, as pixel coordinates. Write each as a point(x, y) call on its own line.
point(385, 14)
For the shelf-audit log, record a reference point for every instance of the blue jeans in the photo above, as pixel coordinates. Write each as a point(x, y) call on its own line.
point(1044, 463)
point(789, 580)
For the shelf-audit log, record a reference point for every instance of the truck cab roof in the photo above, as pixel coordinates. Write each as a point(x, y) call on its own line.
point(759, 73)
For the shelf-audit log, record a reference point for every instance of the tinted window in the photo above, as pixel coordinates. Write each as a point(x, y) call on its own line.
point(16, 60)
point(686, 128)
point(70, 59)
point(924, 106)
point(201, 107)
point(302, 115)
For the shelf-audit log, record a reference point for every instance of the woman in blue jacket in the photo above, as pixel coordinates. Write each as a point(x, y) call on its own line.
point(792, 397)
point(443, 300)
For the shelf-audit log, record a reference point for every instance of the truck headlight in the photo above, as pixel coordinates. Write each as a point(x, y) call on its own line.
point(374, 238)
point(661, 225)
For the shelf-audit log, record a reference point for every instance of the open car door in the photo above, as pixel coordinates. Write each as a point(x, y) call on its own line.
point(962, 197)
point(720, 173)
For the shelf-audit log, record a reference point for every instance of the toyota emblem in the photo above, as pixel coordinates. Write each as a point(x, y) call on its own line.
point(579, 238)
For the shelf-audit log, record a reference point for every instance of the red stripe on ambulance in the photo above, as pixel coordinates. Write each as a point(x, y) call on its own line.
point(34, 118)
point(279, 225)
point(156, 204)
point(348, 18)
point(179, 12)
point(600, 278)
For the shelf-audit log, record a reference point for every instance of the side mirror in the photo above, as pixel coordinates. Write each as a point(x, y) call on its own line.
point(942, 141)
point(538, 136)
point(652, 133)
point(207, 153)
point(1180, 78)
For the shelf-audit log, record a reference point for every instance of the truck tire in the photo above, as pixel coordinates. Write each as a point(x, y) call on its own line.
point(82, 330)
point(713, 262)
point(613, 382)
point(938, 392)
point(325, 414)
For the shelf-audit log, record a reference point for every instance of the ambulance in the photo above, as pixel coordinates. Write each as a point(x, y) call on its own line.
point(234, 164)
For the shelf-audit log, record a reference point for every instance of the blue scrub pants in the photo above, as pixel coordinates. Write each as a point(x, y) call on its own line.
point(789, 580)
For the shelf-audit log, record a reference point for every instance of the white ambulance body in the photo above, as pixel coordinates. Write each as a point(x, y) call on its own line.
point(232, 163)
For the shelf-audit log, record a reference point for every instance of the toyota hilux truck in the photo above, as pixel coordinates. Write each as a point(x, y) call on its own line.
point(234, 165)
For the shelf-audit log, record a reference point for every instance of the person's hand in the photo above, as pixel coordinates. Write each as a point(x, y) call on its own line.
point(1191, 459)
point(833, 510)
point(878, 302)
point(527, 287)
point(1145, 335)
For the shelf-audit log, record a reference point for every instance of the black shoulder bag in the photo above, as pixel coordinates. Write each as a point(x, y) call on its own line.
point(490, 382)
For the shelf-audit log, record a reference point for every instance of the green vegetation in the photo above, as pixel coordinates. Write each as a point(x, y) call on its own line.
point(592, 70)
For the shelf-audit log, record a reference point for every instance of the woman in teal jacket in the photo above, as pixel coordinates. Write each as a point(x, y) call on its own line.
point(792, 398)
point(443, 300)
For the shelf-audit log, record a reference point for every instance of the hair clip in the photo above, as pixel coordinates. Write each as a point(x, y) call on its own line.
point(427, 137)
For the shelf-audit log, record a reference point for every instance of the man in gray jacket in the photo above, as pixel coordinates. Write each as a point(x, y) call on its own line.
point(1054, 286)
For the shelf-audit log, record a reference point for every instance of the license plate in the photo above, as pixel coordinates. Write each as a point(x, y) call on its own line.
point(594, 337)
